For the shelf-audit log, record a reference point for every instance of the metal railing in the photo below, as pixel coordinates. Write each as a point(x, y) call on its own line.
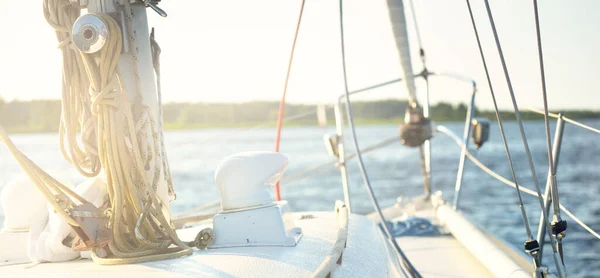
point(426, 153)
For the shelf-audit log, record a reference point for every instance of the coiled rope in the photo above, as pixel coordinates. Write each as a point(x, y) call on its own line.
point(76, 114)
point(135, 204)
point(112, 140)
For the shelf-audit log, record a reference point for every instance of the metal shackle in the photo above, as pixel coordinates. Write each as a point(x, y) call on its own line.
point(90, 33)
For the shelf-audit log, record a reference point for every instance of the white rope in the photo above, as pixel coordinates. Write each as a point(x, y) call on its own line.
point(331, 262)
point(165, 161)
point(76, 103)
point(126, 157)
point(502, 179)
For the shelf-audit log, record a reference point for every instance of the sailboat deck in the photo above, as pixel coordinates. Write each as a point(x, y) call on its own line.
point(441, 256)
point(444, 255)
point(364, 256)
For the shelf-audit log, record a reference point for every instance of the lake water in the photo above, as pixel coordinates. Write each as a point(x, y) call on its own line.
point(395, 171)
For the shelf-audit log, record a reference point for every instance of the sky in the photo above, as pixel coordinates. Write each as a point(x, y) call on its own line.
point(236, 51)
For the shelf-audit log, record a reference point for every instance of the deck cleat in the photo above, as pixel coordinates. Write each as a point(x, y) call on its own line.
point(249, 215)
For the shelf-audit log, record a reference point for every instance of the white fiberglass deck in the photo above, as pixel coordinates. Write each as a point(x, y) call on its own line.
point(365, 256)
point(441, 256)
point(445, 256)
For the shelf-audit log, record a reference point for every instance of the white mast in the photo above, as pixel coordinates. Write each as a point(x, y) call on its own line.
point(144, 79)
point(399, 27)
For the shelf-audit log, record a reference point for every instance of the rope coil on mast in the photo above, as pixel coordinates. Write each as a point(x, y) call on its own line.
point(165, 161)
point(135, 217)
point(139, 209)
point(76, 113)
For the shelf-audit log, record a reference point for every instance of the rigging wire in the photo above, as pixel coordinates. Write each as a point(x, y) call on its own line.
point(300, 115)
point(377, 86)
point(425, 149)
point(241, 130)
point(418, 33)
point(405, 263)
point(523, 136)
point(544, 91)
point(293, 176)
point(285, 87)
point(531, 242)
point(554, 183)
point(499, 119)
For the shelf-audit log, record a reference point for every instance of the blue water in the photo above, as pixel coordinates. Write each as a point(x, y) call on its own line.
point(395, 171)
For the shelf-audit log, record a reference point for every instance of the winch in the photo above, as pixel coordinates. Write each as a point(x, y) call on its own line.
point(416, 129)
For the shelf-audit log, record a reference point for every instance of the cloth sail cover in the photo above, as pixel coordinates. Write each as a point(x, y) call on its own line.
point(399, 28)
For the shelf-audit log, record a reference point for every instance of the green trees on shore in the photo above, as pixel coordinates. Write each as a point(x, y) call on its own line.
point(44, 115)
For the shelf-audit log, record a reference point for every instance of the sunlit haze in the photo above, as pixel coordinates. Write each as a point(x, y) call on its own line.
point(236, 51)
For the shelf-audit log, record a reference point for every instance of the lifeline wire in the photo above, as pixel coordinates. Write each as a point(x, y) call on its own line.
point(566, 119)
point(502, 179)
point(285, 86)
point(523, 137)
point(405, 263)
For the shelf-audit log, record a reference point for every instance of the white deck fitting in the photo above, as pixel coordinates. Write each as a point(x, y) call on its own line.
point(365, 256)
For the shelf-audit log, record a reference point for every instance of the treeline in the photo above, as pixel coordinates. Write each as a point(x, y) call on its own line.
point(44, 115)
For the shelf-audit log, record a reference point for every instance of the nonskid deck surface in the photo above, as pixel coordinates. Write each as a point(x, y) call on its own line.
point(365, 256)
